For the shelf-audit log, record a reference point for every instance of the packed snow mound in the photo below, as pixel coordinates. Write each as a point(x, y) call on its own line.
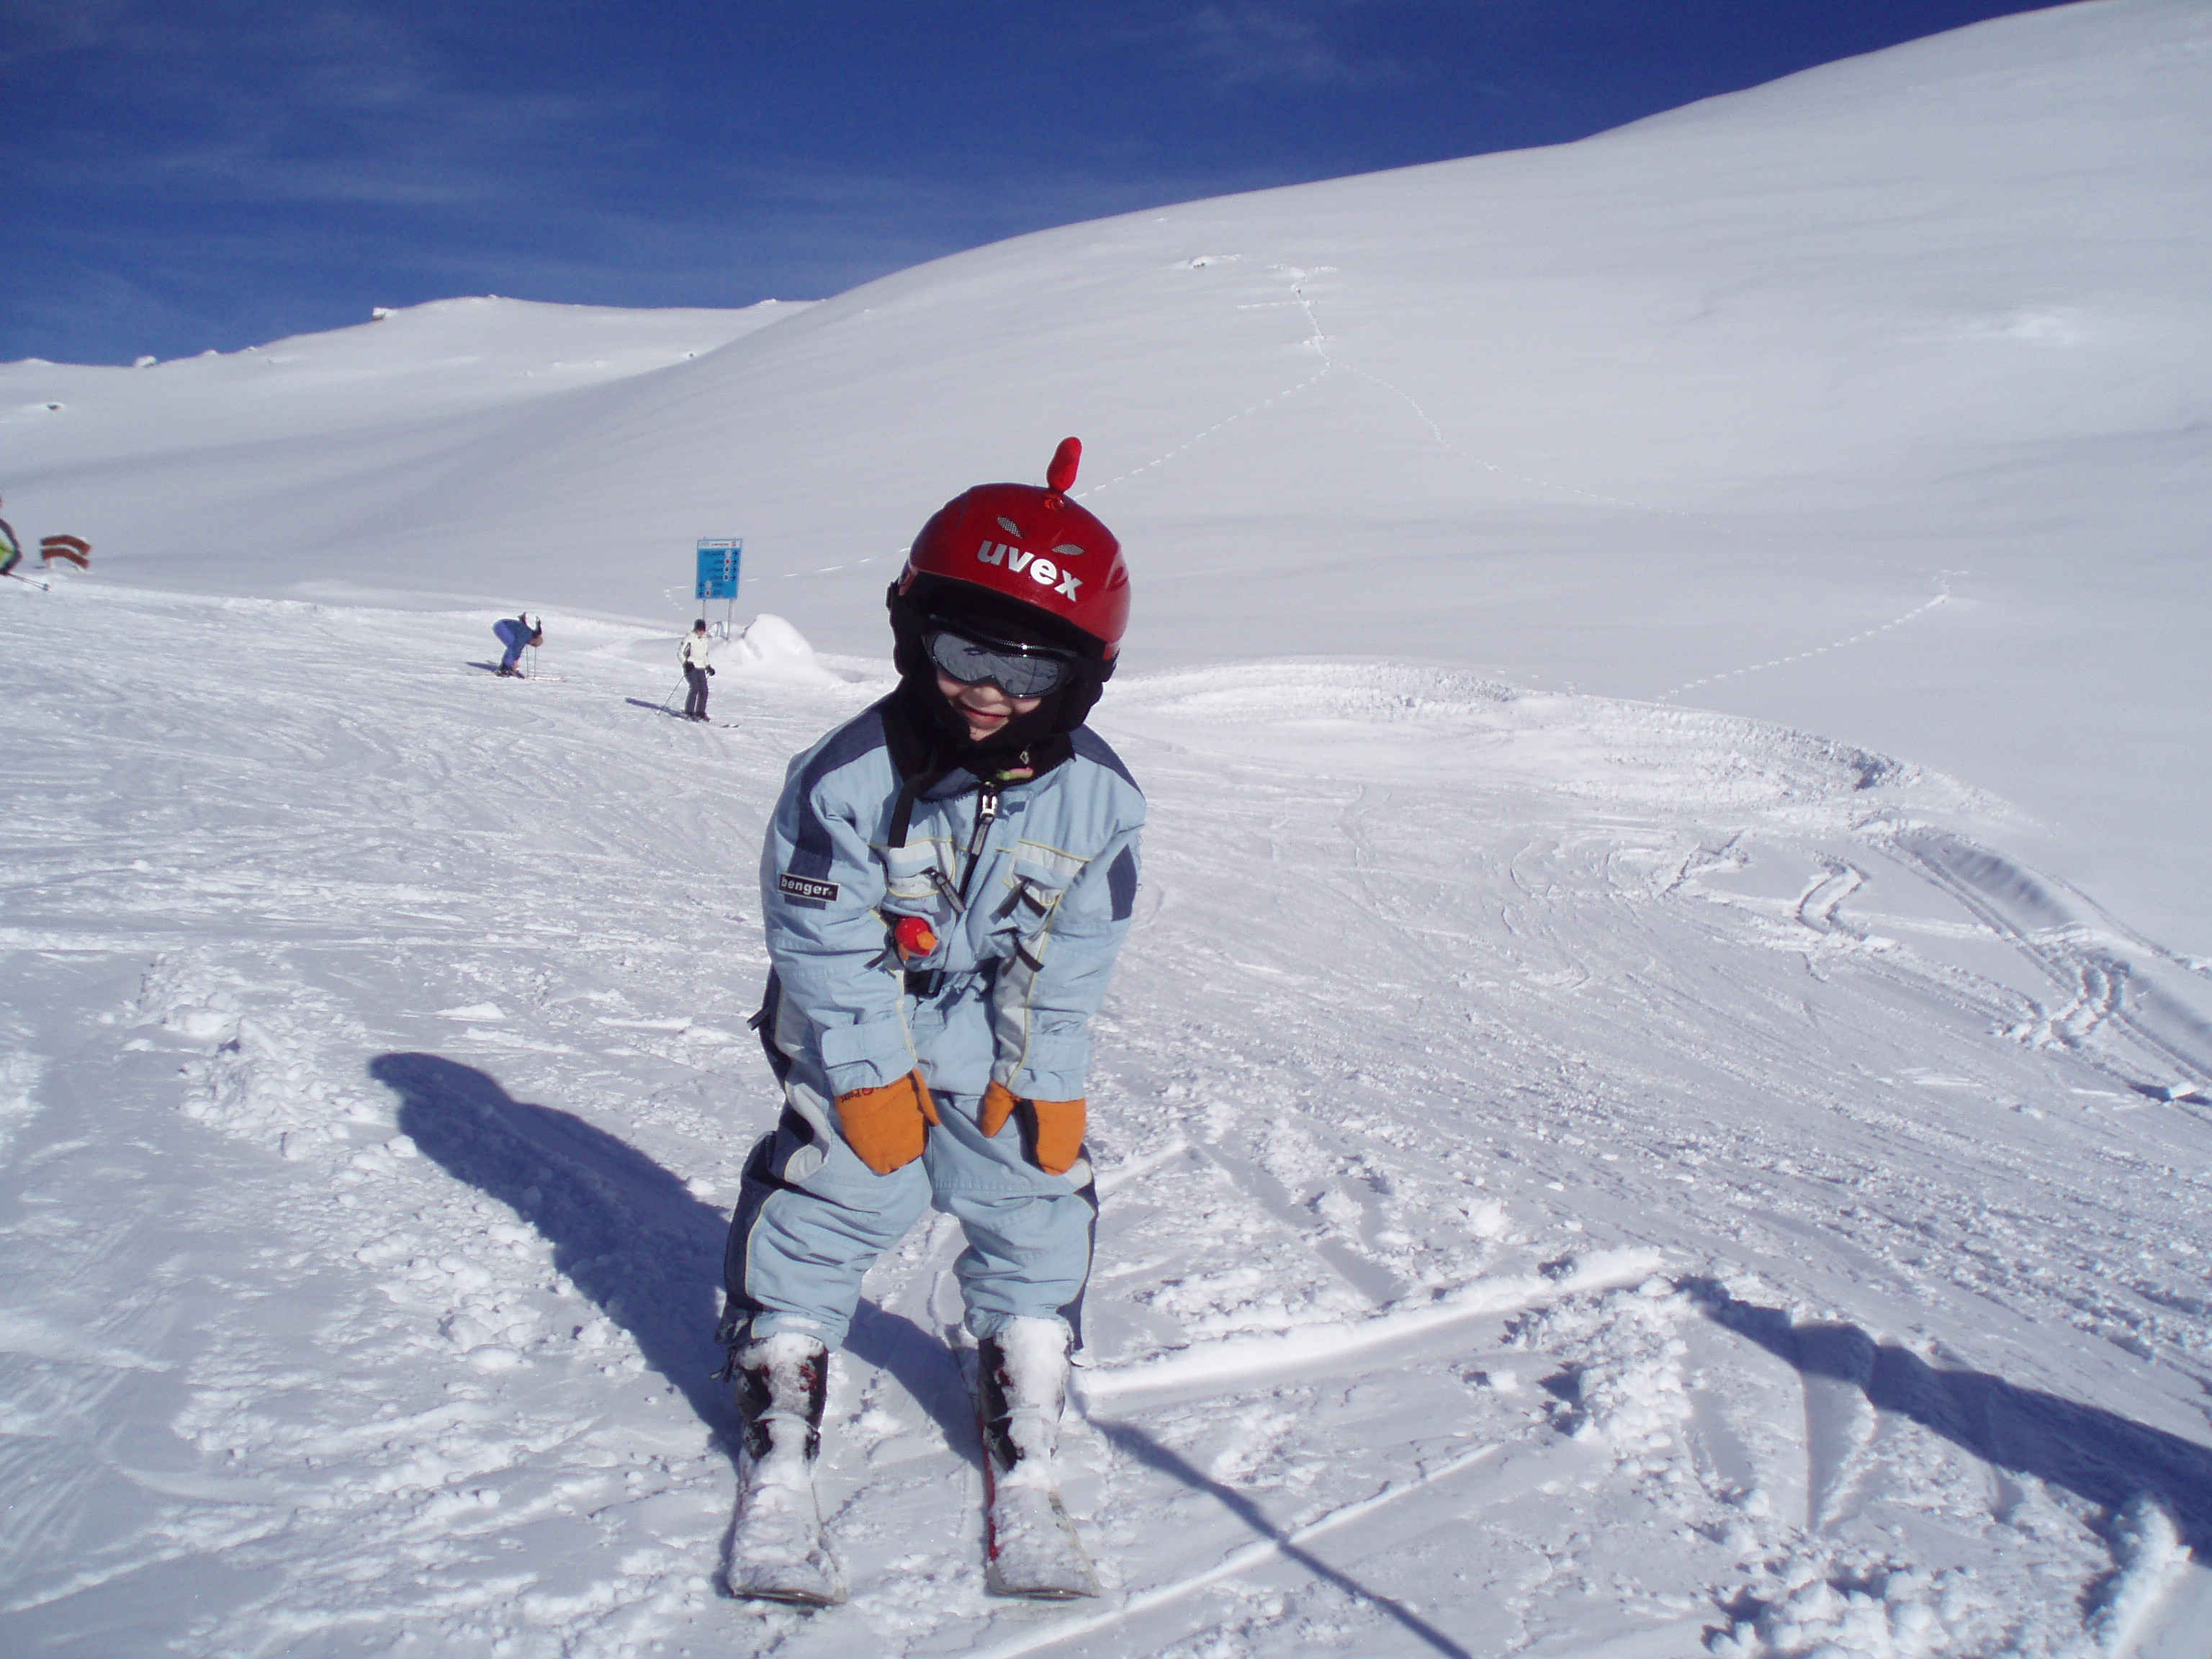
point(767, 650)
point(770, 649)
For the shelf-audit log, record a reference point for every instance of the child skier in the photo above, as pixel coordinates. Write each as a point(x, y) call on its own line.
point(945, 885)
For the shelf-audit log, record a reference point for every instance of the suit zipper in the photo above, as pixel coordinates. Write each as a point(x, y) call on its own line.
point(987, 813)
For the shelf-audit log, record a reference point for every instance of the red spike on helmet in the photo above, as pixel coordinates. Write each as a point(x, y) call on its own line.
point(1065, 460)
point(1033, 546)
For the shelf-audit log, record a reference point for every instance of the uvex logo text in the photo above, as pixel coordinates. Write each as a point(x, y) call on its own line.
point(1043, 572)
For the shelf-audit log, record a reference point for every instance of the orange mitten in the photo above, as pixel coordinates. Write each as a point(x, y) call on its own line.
point(1051, 1130)
point(887, 1126)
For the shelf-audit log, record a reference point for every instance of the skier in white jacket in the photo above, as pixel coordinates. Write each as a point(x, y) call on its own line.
point(692, 653)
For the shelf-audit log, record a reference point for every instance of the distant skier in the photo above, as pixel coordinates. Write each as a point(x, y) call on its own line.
point(692, 653)
point(11, 551)
point(517, 633)
point(946, 884)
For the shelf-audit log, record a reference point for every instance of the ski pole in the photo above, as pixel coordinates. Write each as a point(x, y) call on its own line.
point(672, 690)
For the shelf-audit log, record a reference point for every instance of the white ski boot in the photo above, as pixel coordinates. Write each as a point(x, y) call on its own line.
point(776, 1552)
point(1030, 1548)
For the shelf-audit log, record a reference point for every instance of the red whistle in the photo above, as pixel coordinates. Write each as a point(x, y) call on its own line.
point(914, 936)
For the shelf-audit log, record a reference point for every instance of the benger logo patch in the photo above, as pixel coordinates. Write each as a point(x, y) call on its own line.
point(805, 887)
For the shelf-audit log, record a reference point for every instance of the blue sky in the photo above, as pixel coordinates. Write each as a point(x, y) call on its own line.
point(186, 173)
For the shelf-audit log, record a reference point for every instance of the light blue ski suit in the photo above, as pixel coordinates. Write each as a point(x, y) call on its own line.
point(1019, 968)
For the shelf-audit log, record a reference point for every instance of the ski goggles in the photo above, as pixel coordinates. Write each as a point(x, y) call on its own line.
point(1019, 670)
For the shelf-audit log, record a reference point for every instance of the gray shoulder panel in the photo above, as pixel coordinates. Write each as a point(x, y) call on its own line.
point(1096, 749)
point(811, 848)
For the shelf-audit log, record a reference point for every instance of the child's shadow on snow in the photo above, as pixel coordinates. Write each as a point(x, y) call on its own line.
point(2103, 1457)
point(629, 1235)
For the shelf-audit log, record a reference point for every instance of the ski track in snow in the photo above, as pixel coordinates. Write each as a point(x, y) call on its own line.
point(1314, 340)
point(1317, 342)
point(1942, 596)
point(1580, 1177)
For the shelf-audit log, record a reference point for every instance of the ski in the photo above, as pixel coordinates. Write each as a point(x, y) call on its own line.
point(1031, 1549)
point(677, 715)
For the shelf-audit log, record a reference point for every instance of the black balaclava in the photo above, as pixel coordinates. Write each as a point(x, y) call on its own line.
point(1043, 733)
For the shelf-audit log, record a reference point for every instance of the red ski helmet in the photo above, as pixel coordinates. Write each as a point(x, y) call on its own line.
point(1040, 557)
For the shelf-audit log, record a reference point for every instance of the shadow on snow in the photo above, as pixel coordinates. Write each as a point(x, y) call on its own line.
point(2093, 1454)
point(626, 1232)
point(630, 1235)
point(1143, 1448)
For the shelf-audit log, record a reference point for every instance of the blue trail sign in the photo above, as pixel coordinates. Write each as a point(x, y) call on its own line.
point(718, 569)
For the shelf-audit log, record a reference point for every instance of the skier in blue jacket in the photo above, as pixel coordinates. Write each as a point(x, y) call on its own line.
point(946, 884)
point(516, 634)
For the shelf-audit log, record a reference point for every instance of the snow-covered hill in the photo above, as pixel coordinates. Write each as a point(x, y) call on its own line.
point(1651, 1107)
point(288, 467)
point(1672, 413)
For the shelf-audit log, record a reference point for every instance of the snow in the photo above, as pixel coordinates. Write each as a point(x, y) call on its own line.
point(2152, 1558)
point(1654, 1102)
point(770, 649)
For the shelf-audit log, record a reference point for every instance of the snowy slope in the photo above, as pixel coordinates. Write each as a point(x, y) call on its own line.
point(1586, 1170)
point(1577, 1176)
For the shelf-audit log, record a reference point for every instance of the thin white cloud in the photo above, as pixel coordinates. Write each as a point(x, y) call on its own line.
point(31, 29)
point(294, 105)
point(1261, 44)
